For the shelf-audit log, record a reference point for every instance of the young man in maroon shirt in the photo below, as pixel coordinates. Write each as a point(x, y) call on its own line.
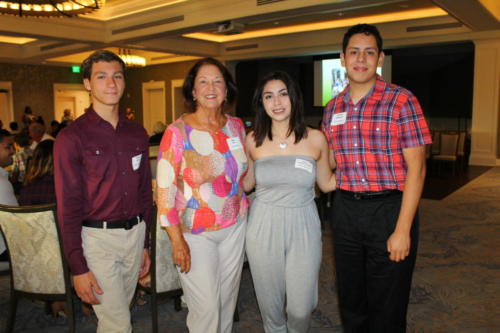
point(104, 195)
point(377, 134)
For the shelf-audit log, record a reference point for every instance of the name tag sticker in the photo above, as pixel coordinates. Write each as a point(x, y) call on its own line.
point(234, 143)
point(339, 118)
point(136, 161)
point(304, 165)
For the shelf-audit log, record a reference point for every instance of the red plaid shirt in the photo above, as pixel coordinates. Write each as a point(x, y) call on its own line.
point(368, 143)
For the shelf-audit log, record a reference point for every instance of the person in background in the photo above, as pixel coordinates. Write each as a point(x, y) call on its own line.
point(200, 196)
point(54, 128)
point(129, 113)
point(38, 186)
point(158, 129)
point(7, 196)
point(37, 134)
point(28, 116)
point(67, 117)
point(283, 241)
point(21, 159)
point(377, 133)
point(104, 196)
point(14, 127)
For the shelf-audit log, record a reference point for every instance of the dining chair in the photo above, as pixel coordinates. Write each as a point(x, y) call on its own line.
point(462, 136)
point(448, 149)
point(37, 266)
point(164, 278)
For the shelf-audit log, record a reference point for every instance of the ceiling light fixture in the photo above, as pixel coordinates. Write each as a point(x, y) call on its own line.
point(50, 7)
point(130, 59)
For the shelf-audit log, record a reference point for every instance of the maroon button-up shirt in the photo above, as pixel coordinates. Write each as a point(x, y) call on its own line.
point(101, 173)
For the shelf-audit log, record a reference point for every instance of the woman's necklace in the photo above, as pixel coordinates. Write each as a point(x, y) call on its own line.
point(282, 143)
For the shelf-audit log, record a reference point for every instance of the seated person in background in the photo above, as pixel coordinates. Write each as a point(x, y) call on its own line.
point(54, 128)
point(37, 134)
point(14, 127)
point(7, 196)
point(38, 185)
point(158, 129)
point(21, 158)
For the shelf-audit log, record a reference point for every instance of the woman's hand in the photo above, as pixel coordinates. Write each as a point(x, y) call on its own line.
point(181, 254)
point(180, 249)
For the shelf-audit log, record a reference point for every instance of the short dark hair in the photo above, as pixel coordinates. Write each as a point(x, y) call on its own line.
point(263, 123)
point(189, 81)
point(3, 134)
point(22, 139)
point(366, 29)
point(101, 55)
point(13, 125)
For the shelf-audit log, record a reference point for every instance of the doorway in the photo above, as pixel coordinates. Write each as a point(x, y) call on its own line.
point(177, 99)
point(6, 104)
point(153, 98)
point(73, 97)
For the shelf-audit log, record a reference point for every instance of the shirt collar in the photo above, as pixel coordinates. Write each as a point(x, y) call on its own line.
point(375, 92)
point(95, 118)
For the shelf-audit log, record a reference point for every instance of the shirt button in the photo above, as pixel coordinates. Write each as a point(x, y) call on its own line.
point(354, 127)
point(355, 109)
point(125, 193)
point(125, 212)
point(119, 153)
point(363, 180)
point(357, 162)
point(355, 145)
point(123, 173)
point(378, 129)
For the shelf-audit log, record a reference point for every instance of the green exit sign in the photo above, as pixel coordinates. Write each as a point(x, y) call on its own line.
point(75, 69)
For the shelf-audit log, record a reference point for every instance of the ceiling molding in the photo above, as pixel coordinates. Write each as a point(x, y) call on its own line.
point(473, 13)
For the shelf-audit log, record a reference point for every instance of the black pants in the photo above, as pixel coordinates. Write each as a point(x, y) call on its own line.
point(373, 290)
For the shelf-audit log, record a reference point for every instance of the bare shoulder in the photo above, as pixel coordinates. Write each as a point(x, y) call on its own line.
point(315, 136)
point(250, 139)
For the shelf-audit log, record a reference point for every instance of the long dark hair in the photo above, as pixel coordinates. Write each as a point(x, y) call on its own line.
point(187, 88)
point(41, 163)
point(263, 122)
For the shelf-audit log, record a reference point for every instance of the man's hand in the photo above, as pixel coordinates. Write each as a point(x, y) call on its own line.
point(85, 286)
point(146, 263)
point(398, 245)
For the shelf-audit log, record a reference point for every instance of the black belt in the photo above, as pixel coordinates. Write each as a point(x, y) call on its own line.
point(369, 195)
point(123, 224)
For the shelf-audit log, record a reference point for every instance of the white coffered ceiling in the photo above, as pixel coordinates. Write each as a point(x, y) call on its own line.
point(177, 30)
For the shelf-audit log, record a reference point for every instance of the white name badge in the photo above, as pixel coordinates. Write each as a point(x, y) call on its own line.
point(234, 143)
point(304, 165)
point(136, 161)
point(339, 118)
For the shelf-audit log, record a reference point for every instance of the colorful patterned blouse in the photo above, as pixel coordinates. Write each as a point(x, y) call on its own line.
point(199, 179)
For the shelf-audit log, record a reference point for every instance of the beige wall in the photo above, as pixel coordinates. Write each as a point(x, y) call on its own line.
point(33, 85)
point(486, 101)
point(166, 72)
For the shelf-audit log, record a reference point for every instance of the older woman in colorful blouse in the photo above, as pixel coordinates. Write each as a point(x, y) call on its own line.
point(200, 196)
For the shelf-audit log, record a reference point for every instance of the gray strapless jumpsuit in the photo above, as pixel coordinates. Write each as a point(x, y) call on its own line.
point(283, 242)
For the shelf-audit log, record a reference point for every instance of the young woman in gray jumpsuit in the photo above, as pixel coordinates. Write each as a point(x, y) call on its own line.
point(283, 240)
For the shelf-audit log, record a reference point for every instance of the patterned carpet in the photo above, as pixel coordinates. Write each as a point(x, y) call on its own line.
point(456, 284)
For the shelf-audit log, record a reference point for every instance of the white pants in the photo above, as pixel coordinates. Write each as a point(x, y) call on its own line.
point(211, 287)
point(114, 256)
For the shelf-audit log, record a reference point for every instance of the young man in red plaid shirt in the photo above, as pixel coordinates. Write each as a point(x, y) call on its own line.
point(377, 133)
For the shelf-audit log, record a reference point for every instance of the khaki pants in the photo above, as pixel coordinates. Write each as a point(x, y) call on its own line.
point(211, 287)
point(114, 256)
